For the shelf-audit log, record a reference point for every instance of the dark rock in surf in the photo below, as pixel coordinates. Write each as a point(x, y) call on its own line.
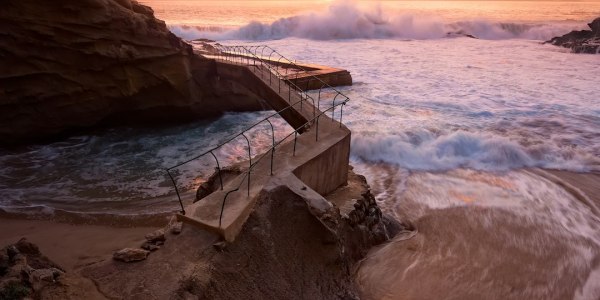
point(581, 41)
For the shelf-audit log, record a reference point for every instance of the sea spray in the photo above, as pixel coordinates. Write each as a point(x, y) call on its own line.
point(348, 20)
point(424, 150)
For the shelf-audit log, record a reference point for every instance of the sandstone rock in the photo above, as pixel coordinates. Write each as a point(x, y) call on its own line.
point(41, 278)
point(130, 255)
point(11, 251)
point(213, 182)
point(581, 41)
point(150, 246)
point(220, 246)
point(26, 247)
point(73, 64)
point(157, 236)
point(176, 228)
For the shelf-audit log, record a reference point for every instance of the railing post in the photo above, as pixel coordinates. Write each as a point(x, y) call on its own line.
point(219, 169)
point(317, 130)
point(342, 113)
point(250, 160)
point(177, 191)
point(295, 140)
point(333, 108)
point(273, 148)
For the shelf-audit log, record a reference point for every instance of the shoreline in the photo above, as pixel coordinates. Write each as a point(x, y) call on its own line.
point(72, 246)
point(91, 237)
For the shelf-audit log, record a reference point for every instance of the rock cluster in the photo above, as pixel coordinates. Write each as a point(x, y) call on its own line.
point(154, 241)
point(24, 271)
point(581, 41)
point(366, 211)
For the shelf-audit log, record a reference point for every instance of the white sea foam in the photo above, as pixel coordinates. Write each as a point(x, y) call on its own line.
point(347, 20)
point(460, 149)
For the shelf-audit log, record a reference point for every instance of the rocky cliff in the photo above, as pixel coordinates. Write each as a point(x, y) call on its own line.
point(70, 64)
point(581, 41)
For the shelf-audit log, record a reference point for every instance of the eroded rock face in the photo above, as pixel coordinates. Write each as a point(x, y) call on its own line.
point(303, 252)
point(581, 41)
point(71, 64)
point(24, 271)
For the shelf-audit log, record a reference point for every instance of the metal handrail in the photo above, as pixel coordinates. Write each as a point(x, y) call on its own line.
point(229, 49)
point(210, 151)
point(247, 173)
point(231, 52)
point(225, 49)
point(289, 62)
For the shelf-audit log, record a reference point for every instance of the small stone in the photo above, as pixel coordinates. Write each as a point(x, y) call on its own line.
point(172, 220)
point(12, 251)
point(26, 247)
point(156, 236)
point(130, 255)
point(220, 245)
point(176, 227)
point(150, 246)
point(57, 272)
point(41, 278)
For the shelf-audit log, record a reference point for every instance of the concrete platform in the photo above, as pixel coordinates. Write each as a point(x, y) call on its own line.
point(322, 165)
point(301, 74)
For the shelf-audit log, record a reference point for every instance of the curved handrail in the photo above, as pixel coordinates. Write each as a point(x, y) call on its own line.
point(247, 173)
point(229, 53)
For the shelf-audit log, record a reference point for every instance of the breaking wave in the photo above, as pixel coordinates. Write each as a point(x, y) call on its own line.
point(346, 20)
point(462, 149)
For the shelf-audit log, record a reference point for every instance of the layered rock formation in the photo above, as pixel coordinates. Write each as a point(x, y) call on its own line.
point(291, 247)
point(581, 41)
point(71, 64)
point(24, 271)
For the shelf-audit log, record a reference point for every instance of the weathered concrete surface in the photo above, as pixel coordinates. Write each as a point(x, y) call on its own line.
point(304, 75)
point(305, 78)
point(329, 170)
point(294, 245)
point(319, 157)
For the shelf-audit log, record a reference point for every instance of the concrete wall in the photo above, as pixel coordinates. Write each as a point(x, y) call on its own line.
point(339, 78)
point(328, 170)
point(247, 78)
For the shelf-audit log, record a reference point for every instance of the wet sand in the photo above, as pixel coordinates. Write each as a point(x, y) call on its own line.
point(72, 246)
point(466, 251)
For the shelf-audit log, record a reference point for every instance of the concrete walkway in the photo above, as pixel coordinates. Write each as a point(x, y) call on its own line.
point(322, 165)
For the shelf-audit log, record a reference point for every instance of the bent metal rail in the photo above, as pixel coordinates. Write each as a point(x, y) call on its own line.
point(247, 56)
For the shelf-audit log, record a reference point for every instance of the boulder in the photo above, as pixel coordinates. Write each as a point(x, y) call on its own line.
point(149, 246)
point(581, 41)
point(130, 255)
point(176, 227)
point(41, 278)
point(156, 236)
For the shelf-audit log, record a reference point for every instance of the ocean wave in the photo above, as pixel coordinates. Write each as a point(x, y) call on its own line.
point(461, 149)
point(346, 20)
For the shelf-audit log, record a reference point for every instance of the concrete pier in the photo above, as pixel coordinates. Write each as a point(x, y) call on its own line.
point(318, 157)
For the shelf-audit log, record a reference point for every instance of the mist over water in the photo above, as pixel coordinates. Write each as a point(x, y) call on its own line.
point(350, 20)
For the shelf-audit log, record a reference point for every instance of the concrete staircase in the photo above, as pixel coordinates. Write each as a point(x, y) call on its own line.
point(317, 155)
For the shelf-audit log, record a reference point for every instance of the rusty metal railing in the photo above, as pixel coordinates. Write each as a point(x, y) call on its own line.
point(247, 56)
